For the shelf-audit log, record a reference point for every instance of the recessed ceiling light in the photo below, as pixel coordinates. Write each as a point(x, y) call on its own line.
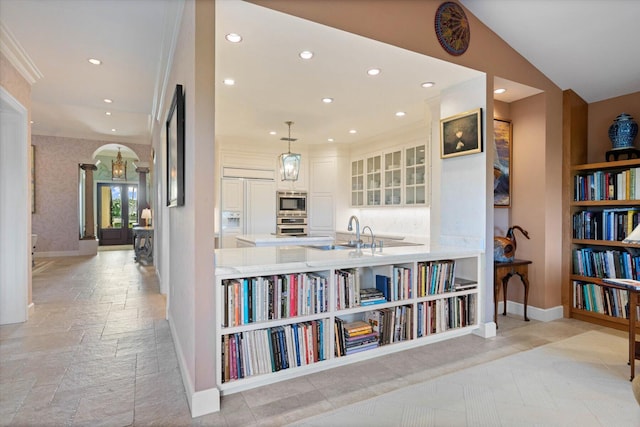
point(113, 130)
point(233, 37)
point(108, 113)
point(401, 114)
point(353, 131)
point(330, 139)
point(428, 84)
point(306, 54)
point(229, 82)
point(273, 132)
point(373, 71)
point(31, 121)
point(327, 100)
point(499, 91)
point(108, 101)
point(94, 61)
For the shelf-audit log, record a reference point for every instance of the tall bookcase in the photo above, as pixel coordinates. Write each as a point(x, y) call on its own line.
point(286, 322)
point(605, 207)
point(594, 244)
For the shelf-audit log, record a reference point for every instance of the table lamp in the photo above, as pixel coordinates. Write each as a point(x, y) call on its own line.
point(146, 215)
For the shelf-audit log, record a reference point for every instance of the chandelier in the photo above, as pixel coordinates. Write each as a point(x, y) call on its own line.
point(119, 168)
point(289, 162)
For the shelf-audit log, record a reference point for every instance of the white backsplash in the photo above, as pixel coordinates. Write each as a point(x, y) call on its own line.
point(396, 221)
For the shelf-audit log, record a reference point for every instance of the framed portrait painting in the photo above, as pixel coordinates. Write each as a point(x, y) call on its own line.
point(461, 134)
point(175, 150)
point(502, 157)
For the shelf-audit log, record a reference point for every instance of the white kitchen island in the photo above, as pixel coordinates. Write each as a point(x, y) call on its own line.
point(309, 285)
point(250, 240)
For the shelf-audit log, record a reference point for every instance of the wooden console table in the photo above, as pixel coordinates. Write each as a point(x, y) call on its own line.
point(502, 272)
point(143, 243)
point(633, 287)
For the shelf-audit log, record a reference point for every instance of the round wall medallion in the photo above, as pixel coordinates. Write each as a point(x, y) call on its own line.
point(452, 28)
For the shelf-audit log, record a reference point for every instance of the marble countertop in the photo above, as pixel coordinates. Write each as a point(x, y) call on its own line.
point(272, 239)
point(282, 259)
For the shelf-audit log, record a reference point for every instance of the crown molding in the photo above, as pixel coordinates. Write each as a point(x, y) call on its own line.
point(17, 56)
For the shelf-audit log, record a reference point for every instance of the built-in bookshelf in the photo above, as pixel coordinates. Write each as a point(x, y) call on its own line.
point(277, 326)
point(604, 209)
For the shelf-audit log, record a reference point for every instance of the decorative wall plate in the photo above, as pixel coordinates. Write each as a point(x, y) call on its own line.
point(452, 28)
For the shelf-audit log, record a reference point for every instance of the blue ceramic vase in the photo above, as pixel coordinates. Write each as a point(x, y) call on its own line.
point(623, 131)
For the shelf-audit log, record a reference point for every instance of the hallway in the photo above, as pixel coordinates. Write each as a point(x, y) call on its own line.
point(98, 351)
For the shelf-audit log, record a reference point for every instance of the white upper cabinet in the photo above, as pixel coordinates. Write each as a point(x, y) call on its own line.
point(415, 187)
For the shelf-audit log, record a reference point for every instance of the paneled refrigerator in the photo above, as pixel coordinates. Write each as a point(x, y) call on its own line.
point(248, 207)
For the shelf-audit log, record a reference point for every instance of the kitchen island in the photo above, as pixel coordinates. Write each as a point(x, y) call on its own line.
point(281, 310)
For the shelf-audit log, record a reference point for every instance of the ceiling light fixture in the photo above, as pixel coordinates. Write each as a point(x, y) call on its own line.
point(108, 113)
point(306, 54)
point(499, 91)
point(330, 139)
point(373, 71)
point(119, 167)
point(229, 82)
point(353, 131)
point(273, 132)
point(289, 162)
point(113, 129)
point(233, 37)
point(31, 121)
point(327, 100)
point(108, 101)
point(428, 84)
point(401, 114)
point(94, 61)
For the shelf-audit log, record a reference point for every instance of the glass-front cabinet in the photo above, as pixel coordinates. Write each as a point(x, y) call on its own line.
point(357, 183)
point(415, 176)
point(373, 180)
point(393, 178)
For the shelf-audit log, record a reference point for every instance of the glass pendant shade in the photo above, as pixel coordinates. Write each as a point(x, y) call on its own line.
point(289, 162)
point(118, 168)
point(289, 166)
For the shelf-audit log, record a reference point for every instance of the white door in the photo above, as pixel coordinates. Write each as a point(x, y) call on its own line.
point(260, 212)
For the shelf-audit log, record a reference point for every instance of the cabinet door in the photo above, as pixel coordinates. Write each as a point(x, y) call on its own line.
point(393, 178)
point(261, 207)
point(373, 180)
point(357, 183)
point(415, 176)
point(232, 194)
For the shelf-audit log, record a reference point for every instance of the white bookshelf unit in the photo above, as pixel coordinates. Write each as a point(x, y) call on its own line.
point(279, 309)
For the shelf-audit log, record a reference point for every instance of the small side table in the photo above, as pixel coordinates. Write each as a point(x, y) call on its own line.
point(143, 243)
point(502, 272)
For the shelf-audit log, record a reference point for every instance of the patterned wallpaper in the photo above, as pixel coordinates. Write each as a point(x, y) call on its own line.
point(56, 218)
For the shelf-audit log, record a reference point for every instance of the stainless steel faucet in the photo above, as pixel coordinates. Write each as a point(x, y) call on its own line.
point(370, 231)
point(350, 228)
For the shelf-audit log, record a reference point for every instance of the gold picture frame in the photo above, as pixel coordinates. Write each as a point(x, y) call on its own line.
point(461, 134)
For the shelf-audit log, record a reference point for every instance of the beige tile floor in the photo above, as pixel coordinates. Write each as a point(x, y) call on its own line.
point(98, 351)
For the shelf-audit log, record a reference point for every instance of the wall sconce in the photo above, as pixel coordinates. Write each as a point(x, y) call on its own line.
point(289, 162)
point(146, 215)
point(119, 168)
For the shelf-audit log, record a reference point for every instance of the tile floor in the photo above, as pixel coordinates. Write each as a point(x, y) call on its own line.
point(98, 351)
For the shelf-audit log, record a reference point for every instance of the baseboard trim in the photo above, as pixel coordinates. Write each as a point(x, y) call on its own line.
point(55, 254)
point(201, 402)
point(535, 313)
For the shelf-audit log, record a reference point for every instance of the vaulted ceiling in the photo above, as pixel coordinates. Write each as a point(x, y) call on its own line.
point(585, 46)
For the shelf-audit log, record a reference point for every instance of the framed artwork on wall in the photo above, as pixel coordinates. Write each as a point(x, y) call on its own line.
point(461, 134)
point(175, 150)
point(502, 158)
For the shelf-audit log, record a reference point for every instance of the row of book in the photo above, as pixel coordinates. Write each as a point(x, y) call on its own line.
point(395, 288)
point(606, 224)
point(353, 337)
point(601, 299)
point(607, 185)
point(347, 288)
point(435, 277)
point(263, 351)
point(609, 263)
point(393, 324)
point(258, 299)
point(444, 314)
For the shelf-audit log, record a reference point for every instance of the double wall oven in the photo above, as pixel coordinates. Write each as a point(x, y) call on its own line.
point(291, 218)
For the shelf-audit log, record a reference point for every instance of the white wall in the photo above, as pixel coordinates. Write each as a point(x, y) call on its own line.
point(15, 207)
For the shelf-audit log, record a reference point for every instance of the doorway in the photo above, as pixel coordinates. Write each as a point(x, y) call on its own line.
point(117, 213)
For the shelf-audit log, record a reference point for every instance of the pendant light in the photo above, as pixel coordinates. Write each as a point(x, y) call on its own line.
point(289, 162)
point(119, 168)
